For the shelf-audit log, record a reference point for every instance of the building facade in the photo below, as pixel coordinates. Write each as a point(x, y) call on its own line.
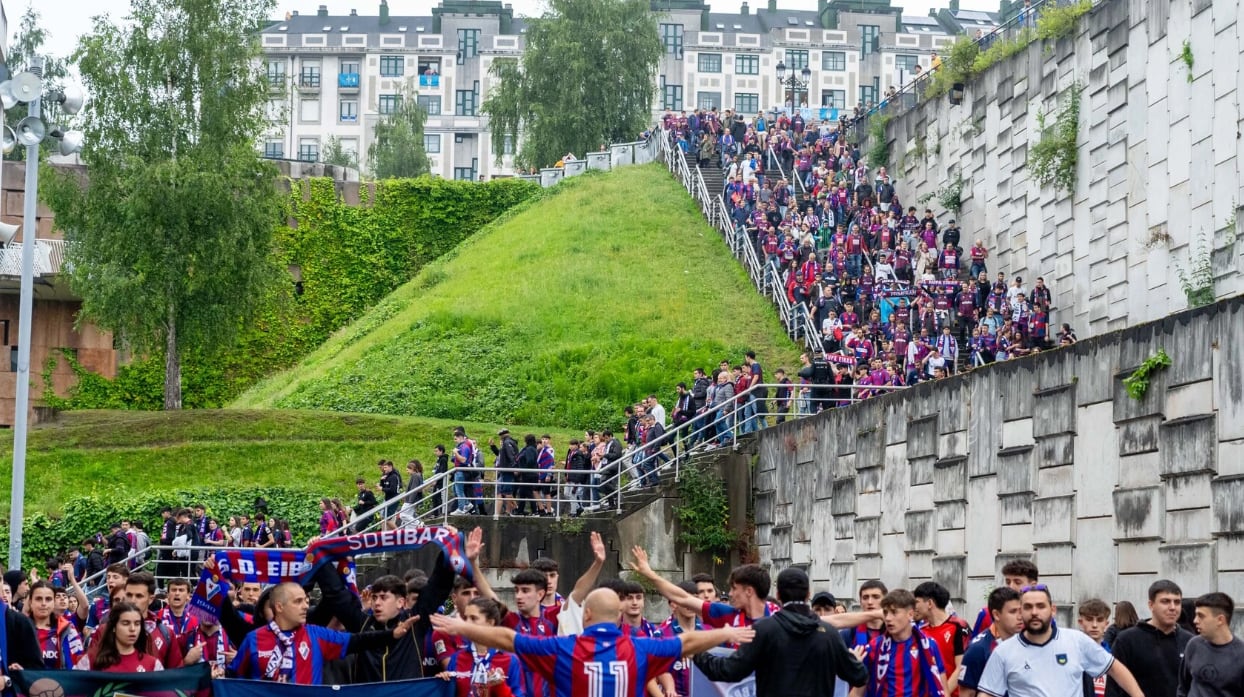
point(335, 77)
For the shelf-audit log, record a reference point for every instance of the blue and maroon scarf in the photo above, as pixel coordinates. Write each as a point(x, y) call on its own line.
point(268, 566)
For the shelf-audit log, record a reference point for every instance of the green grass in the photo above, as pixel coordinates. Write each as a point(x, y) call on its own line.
point(124, 451)
point(608, 289)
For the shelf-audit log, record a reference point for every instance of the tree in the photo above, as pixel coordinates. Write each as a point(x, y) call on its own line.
point(170, 242)
point(27, 43)
point(398, 151)
point(585, 78)
point(334, 154)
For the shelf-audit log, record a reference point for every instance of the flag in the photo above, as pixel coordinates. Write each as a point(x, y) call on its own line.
point(424, 687)
point(194, 681)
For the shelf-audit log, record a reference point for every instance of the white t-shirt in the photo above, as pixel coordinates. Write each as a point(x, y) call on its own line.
point(570, 619)
point(1056, 668)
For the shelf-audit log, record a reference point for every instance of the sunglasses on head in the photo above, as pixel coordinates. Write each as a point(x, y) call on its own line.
point(1035, 587)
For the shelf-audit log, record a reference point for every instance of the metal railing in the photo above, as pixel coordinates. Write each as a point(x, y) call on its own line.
point(638, 467)
point(161, 561)
point(908, 96)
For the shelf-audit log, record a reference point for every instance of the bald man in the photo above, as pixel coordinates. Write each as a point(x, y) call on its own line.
point(302, 649)
point(603, 661)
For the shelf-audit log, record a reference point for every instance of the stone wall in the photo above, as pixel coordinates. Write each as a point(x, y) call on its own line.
point(1159, 169)
point(1044, 457)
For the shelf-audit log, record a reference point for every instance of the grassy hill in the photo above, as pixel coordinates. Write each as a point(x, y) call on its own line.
point(127, 452)
point(610, 288)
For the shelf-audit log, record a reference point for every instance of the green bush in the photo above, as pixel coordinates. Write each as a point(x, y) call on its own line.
point(704, 512)
point(44, 536)
point(350, 257)
point(1053, 159)
point(879, 150)
point(1060, 20)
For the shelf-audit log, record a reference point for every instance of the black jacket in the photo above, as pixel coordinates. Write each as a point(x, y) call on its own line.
point(403, 660)
point(94, 562)
point(794, 654)
point(579, 465)
point(507, 455)
point(391, 484)
point(1151, 656)
point(528, 459)
point(699, 393)
point(23, 642)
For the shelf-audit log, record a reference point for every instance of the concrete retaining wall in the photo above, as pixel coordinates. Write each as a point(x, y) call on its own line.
point(1159, 173)
point(1045, 457)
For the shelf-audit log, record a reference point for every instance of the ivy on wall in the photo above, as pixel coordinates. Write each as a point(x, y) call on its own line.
point(349, 258)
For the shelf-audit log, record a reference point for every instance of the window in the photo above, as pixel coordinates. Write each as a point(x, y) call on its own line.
point(870, 39)
point(466, 173)
point(671, 39)
point(348, 110)
point(710, 63)
point(430, 105)
point(276, 73)
point(834, 60)
point(309, 150)
point(747, 65)
point(468, 44)
point(906, 62)
point(709, 100)
point(507, 145)
point(796, 60)
point(309, 110)
point(432, 143)
point(310, 76)
point(389, 103)
point(276, 110)
point(672, 98)
point(834, 99)
point(747, 103)
point(349, 67)
point(464, 102)
point(392, 66)
point(274, 149)
point(868, 94)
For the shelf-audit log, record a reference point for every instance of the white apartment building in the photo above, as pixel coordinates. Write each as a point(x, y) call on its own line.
point(335, 76)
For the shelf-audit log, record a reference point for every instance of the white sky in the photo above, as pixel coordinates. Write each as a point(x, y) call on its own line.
point(66, 20)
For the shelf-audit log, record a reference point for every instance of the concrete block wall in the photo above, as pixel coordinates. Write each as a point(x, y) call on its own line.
point(1045, 457)
point(1159, 172)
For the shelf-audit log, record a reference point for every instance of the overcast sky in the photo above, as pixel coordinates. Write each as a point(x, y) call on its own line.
point(66, 20)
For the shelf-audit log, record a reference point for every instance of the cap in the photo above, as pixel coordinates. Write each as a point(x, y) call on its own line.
point(504, 431)
point(824, 598)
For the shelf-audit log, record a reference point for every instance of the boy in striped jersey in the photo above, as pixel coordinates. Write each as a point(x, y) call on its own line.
point(902, 662)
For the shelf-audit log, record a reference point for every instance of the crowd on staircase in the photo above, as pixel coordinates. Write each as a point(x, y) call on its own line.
point(896, 296)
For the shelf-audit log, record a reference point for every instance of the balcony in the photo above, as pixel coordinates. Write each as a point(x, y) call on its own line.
point(348, 82)
point(276, 82)
point(309, 82)
point(430, 80)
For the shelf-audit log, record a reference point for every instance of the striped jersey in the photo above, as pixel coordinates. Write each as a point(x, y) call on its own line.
point(601, 662)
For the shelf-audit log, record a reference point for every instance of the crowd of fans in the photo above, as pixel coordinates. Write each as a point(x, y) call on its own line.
point(896, 642)
point(896, 297)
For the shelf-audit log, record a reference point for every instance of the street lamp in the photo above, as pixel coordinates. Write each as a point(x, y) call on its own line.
point(31, 131)
point(793, 84)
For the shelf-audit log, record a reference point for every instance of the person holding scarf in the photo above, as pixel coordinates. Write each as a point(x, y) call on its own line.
point(903, 662)
point(288, 650)
point(477, 671)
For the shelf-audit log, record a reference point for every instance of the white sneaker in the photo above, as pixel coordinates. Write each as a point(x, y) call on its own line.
point(460, 511)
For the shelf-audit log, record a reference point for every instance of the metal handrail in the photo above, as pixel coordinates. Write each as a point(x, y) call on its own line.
point(92, 584)
point(686, 440)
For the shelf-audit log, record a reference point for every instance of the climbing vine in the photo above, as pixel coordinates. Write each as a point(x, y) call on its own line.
point(704, 512)
point(1137, 383)
point(879, 150)
point(1053, 159)
point(347, 257)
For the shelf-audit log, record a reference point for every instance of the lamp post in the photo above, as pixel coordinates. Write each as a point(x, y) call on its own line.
point(31, 131)
point(793, 84)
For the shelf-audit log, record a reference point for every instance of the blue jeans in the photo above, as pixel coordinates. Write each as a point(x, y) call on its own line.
point(724, 422)
point(854, 262)
point(460, 489)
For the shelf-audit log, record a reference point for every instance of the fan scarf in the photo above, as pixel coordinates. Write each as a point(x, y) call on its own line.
point(280, 565)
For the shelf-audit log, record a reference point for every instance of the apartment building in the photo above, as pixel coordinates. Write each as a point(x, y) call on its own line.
point(335, 76)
